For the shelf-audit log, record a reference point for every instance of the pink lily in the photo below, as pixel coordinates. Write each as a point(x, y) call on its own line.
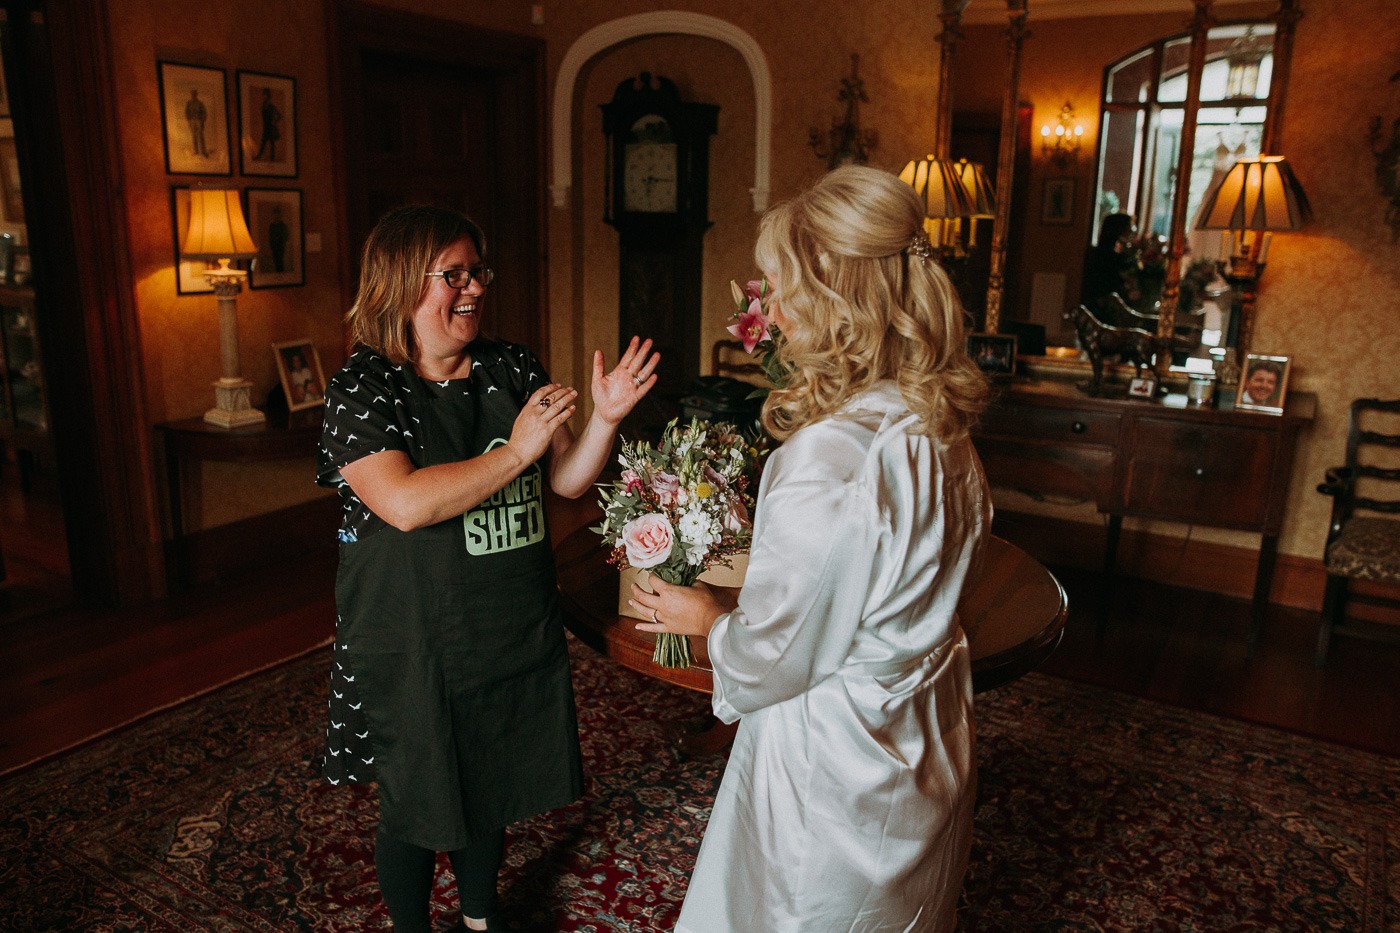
point(752, 326)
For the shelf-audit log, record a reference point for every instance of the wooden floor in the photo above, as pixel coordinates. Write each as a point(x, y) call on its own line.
point(70, 675)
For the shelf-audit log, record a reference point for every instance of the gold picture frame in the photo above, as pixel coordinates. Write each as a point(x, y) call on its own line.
point(305, 384)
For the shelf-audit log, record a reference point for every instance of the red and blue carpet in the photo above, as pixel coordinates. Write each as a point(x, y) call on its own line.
point(1096, 811)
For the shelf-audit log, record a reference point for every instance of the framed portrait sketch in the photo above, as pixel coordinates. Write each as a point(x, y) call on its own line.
point(189, 276)
point(274, 220)
point(194, 118)
point(1263, 383)
point(267, 124)
point(299, 368)
point(1057, 207)
point(994, 354)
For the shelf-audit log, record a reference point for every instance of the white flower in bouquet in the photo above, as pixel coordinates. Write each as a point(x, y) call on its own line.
point(678, 509)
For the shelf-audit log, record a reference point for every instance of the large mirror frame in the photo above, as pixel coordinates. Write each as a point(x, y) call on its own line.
point(1198, 52)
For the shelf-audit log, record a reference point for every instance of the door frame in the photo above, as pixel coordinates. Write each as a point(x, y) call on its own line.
point(358, 27)
point(58, 56)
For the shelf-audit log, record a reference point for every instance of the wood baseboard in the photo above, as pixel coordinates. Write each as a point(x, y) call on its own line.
point(1298, 582)
point(287, 535)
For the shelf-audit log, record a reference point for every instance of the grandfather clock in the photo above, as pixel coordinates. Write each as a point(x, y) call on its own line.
point(658, 167)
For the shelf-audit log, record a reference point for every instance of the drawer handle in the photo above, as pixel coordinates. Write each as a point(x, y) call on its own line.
point(1078, 427)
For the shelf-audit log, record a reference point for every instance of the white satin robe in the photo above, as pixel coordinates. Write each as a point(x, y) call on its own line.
point(847, 802)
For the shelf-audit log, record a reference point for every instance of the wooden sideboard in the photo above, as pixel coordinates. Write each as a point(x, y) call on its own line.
point(1162, 458)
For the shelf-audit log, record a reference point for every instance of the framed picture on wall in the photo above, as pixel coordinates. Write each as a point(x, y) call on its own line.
point(194, 119)
point(299, 368)
point(189, 276)
point(1263, 384)
point(1057, 206)
point(274, 220)
point(267, 124)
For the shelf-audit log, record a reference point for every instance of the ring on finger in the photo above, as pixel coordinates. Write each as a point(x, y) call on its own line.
point(638, 380)
point(544, 402)
point(653, 617)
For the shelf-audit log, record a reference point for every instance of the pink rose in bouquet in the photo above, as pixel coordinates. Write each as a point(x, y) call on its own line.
point(648, 540)
point(667, 487)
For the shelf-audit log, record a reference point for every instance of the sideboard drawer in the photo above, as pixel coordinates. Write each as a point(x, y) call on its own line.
point(1210, 474)
point(1053, 425)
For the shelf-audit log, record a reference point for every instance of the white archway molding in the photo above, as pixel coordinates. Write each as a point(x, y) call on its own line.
point(662, 22)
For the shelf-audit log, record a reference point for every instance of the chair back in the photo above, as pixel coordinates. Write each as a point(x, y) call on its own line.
point(729, 359)
point(1373, 455)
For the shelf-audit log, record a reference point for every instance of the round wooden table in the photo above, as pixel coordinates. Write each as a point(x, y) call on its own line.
point(1013, 613)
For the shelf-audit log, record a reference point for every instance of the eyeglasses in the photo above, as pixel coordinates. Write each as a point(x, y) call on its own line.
point(461, 278)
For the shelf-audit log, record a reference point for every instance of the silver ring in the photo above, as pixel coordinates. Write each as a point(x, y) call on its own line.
point(544, 403)
point(653, 617)
point(638, 380)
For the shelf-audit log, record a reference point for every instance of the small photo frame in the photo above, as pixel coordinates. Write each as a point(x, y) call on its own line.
point(1263, 383)
point(194, 119)
point(1143, 387)
point(1057, 206)
point(994, 354)
point(189, 276)
point(274, 220)
point(267, 124)
point(299, 368)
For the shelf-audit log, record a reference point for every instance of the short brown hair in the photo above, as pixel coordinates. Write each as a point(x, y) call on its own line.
point(400, 248)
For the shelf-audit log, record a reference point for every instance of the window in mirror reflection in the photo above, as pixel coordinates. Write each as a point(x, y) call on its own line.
point(1144, 108)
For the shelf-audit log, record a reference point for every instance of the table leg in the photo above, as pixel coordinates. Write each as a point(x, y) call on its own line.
point(697, 737)
point(175, 553)
point(1263, 582)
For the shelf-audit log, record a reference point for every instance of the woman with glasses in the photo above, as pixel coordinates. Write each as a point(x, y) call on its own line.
point(450, 680)
point(847, 800)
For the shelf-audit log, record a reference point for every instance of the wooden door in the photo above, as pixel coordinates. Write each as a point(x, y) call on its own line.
point(440, 113)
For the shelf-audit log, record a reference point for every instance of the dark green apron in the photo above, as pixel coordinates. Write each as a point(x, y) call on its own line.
point(453, 646)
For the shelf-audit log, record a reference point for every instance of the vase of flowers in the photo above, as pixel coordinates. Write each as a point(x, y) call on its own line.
point(679, 508)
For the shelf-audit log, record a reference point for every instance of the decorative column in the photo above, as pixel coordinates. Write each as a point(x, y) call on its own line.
point(1176, 241)
point(1016, 35)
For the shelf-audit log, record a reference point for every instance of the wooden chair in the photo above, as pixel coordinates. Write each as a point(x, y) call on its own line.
point(1362, 543)
point(727, 358)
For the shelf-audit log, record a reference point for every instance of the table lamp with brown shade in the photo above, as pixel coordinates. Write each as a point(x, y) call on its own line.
point(1255, 198)
point(218, 233)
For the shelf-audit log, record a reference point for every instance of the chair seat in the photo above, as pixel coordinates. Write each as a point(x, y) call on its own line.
point(1367, 549)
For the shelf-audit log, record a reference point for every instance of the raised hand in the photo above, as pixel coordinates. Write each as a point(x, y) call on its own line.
point(615, 393)
point(544, 412)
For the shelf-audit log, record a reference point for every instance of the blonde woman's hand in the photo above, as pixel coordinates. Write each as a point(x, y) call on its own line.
point(615, 393)
point(680, 610)
point(544, 413)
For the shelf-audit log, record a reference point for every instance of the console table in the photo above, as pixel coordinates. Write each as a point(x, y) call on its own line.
point(194, 441)
point(1150, 458)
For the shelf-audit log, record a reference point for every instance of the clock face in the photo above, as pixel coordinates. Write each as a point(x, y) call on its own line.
point(649, 178)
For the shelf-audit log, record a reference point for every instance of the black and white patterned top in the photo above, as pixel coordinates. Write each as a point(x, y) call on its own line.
point(369, 410)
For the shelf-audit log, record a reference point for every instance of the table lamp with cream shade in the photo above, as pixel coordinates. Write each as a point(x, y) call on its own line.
point(218, 233)
point(1251, 201)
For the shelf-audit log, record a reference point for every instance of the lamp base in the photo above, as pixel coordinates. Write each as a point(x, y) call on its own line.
point(233, 408)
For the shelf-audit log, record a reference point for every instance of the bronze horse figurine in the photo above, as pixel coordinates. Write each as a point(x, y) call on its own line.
point(1130, 344)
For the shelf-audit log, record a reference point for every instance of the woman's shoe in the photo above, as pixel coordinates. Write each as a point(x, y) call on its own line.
point(495, 923)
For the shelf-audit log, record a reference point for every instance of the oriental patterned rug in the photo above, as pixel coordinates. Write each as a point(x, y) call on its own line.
point(1097, 811)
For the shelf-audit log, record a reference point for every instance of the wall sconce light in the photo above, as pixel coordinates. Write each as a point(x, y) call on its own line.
point(1387, 155)
point(1060, 142)
point(1253, 199)
point(218, 233)
point(846, 143)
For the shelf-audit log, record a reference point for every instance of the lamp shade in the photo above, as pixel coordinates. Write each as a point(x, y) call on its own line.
point(1255, 194)
point(217, 229)
point(977, 187)
point(936, 183)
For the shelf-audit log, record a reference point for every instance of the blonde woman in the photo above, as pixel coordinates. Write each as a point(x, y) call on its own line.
point(847, 801)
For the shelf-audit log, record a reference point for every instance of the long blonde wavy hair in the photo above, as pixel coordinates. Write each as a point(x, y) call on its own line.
point(860, 307)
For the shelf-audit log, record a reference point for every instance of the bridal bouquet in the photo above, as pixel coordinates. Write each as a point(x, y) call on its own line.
point(678, 509)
